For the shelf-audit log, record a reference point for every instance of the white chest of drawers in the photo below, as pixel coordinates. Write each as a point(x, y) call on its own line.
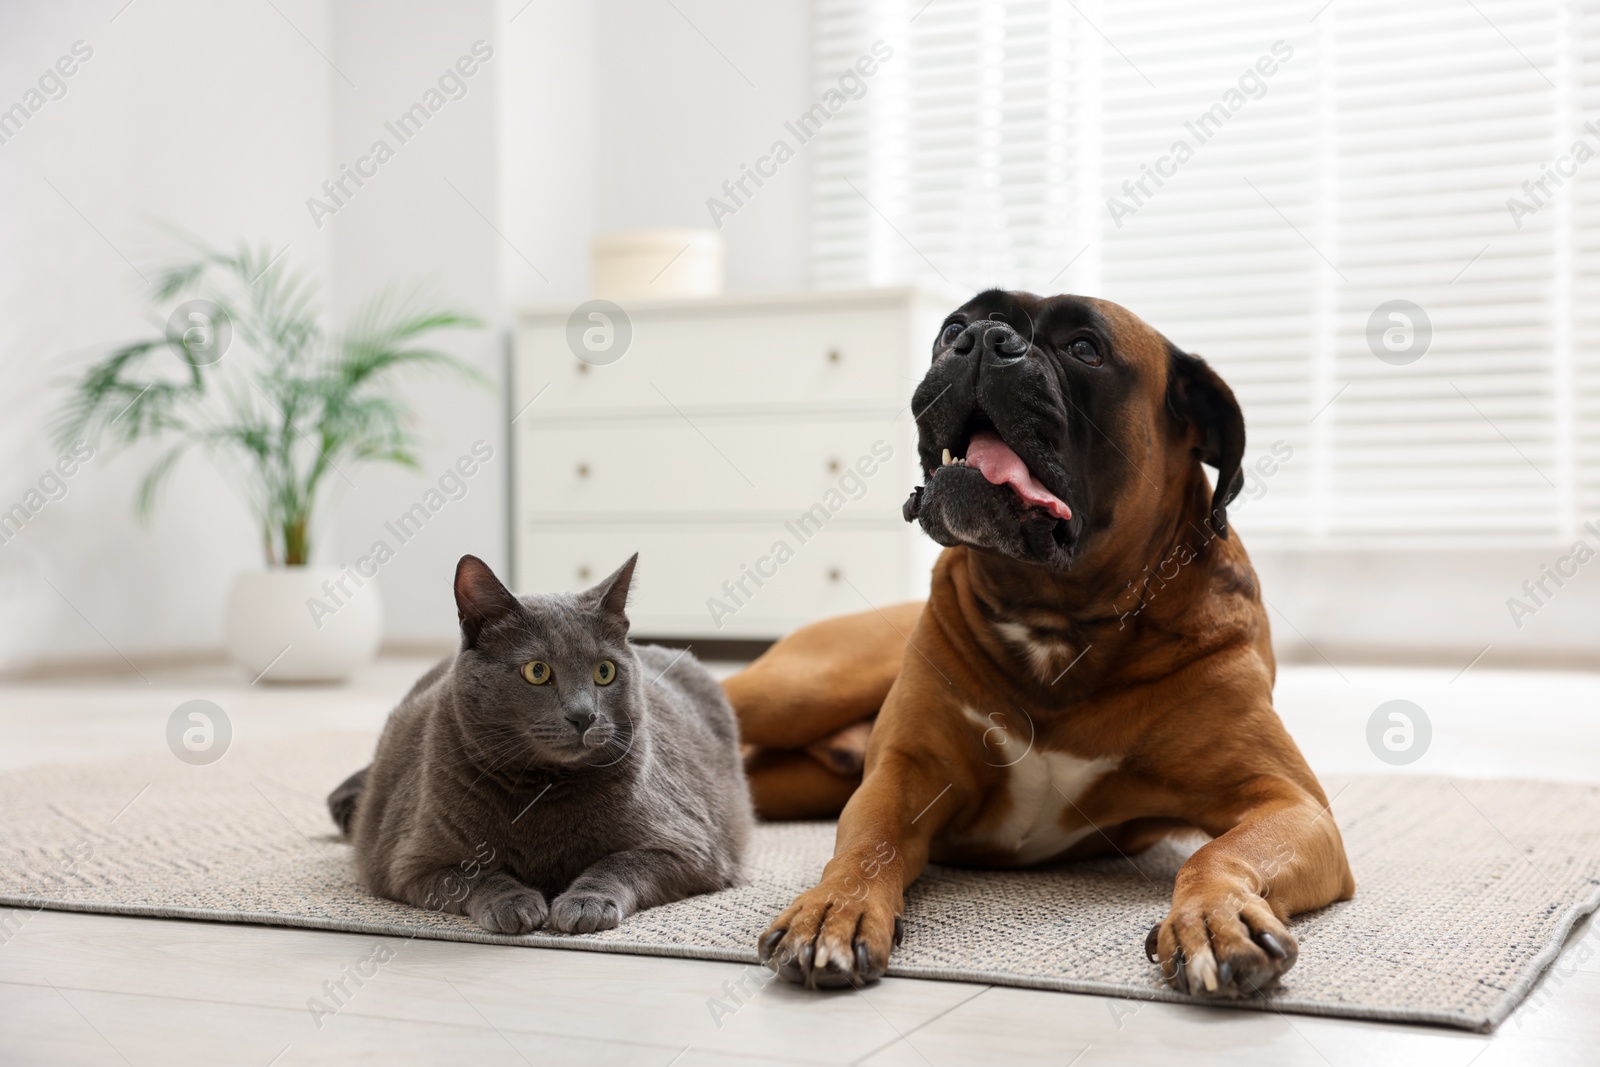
point(755, 452)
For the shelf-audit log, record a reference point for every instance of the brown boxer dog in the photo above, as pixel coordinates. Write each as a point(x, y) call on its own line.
point(1091, 673)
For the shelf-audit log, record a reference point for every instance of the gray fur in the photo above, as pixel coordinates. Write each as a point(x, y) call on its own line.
point(495, 798)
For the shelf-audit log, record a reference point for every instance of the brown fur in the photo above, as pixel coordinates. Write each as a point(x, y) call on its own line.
point(1170, 677)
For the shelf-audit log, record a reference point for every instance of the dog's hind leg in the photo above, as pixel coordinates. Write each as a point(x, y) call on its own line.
point(821, 678)
point(844, 752)
point(794, 785)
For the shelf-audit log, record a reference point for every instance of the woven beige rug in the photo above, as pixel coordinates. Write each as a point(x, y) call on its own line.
point(1467, 888)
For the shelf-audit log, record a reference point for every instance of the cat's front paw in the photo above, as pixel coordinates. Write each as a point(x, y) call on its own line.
point(518, 911)
point(576, 912)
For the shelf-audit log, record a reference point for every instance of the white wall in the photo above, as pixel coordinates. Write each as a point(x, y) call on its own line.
point(203, 115)
point(1440, 605)
point(688, 92)
point(622, 115)
point(548, 127)
point(428, 217)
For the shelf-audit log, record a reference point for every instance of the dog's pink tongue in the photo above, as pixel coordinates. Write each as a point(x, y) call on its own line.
point(1002, 466)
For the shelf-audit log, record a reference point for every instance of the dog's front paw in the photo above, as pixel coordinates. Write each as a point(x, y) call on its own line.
point(833, 936)
point(576, 912)
point(515, 911)
point(1224, 944)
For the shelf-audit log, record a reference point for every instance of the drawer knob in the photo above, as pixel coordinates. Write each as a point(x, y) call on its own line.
point(583, 470)
point(834, 356)
point(835, 574)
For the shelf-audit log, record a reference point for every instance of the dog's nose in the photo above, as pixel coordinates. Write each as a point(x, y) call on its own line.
point(581, 719)
point(995, 342)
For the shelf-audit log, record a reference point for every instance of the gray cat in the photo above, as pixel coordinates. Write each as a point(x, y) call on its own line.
point(548, 758)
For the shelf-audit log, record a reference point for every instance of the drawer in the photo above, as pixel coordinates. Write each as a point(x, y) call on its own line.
point(856, 356)
point(679, 591)
point(719, 464)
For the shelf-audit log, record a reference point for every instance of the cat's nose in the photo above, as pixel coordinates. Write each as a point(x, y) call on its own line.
point(581, 719)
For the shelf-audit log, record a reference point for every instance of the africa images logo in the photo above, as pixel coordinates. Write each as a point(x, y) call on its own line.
point(1252, 85)
point(452, 85)
point(852, 85)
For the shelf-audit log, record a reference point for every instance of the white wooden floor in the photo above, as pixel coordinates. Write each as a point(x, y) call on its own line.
point(91, 989)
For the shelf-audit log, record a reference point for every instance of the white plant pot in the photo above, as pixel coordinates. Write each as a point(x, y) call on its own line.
point(296, 624)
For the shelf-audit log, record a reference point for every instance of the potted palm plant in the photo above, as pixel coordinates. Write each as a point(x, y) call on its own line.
point(245, 372)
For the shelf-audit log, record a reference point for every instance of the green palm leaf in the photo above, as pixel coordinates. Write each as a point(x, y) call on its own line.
point(287, 402)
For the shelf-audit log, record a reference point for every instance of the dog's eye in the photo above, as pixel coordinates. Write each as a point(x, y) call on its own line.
point(536, 672)
point(951, 332)
point(605, 672)
point(1084, 351)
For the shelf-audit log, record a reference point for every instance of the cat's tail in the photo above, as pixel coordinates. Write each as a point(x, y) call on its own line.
point(342, 801)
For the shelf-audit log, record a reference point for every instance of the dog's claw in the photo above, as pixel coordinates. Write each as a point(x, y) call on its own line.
point(833, 973)
point(899, 930)
point(769, 943)
point(864, 962)
point(1151, 940)
point(1180, 979)
point(787, 964)
point(1270, 943)
point(1225, 974)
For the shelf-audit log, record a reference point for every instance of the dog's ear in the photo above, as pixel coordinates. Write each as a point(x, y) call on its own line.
point(480, 598)
point(1202, 401)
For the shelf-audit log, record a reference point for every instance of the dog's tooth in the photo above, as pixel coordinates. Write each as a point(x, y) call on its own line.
point(947, 457)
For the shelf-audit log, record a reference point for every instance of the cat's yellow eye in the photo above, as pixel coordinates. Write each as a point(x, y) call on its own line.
point(605, 672)
point(536, 671)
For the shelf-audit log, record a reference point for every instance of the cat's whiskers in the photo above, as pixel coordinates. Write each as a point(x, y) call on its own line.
point(477, 743)
point(507, 749)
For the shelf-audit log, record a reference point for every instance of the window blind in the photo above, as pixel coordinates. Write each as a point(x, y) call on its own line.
point(1270, 185)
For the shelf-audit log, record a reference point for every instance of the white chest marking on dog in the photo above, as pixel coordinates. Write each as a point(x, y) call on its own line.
point(1043, 788)
point(1042, 655)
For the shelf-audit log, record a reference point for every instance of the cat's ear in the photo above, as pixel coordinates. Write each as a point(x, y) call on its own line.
point(480, 598)
point(612, 594)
